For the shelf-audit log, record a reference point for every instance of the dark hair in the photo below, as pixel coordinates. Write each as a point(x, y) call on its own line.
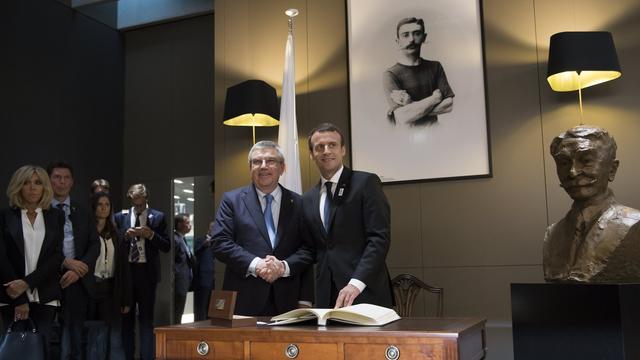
point(324, 127)
point(179, 219)
point(59, 165)
point(110, 228)
point(104, 184)
point(409, 20)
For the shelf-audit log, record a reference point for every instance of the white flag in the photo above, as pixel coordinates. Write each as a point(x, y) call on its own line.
point(288, 131)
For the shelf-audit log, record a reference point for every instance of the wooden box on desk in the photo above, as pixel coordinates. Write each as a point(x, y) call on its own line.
point(411, 338)
point(576, 321)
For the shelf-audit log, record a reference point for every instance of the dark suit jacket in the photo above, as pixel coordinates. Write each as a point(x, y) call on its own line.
point(160, 240)
point(358, 239)
point(240, 235)
point(203, 275)
point(46, 277)
point(182, 265)
point(85, 239)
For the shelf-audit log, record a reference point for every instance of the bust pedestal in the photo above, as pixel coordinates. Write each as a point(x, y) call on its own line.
point(576, 321)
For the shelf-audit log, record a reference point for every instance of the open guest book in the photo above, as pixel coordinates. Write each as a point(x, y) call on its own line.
point(360, 314)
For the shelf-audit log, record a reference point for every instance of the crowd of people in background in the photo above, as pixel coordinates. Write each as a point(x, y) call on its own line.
point(85, 270)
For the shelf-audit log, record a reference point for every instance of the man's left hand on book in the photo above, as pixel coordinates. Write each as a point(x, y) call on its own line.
point(346, 296)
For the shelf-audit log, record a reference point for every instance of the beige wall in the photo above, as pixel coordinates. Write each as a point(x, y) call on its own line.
point(473, 237)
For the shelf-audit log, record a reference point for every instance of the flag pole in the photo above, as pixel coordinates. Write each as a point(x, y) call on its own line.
point(288, 130)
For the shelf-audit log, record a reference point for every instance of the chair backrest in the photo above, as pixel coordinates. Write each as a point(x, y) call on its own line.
point(406, 288)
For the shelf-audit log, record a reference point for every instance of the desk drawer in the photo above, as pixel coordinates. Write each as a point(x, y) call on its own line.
point(188, 349)
point(403, 352)
point(305, 351)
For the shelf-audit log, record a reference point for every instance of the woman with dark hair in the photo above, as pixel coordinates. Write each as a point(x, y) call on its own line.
point(109, 285)
point(30, 251)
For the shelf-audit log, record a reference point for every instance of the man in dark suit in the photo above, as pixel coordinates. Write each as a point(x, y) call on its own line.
point(204, 275)
point(183, 264)
point(81, 248)
point(257, 234)
point(146, 229)
point(348, 218)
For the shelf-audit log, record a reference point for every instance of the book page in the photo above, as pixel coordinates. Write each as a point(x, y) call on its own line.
point(360, 314)
point(299, 315)
point(364, 314)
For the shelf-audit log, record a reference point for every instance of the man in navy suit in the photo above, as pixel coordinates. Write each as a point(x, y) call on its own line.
point(347, 216)
point(257, 233)
point(146, 230)
point(183, 264)
point(81, 248)
point(203, 276)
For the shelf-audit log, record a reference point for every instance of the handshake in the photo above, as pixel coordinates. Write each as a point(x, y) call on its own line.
point(270, 268)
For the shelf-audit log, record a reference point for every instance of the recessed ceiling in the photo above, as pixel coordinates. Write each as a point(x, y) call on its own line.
point(130, 14)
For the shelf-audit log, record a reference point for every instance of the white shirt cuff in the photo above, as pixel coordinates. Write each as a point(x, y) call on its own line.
point(358, 284)
point(287, 271)
point(251, 270)
point(305, 303)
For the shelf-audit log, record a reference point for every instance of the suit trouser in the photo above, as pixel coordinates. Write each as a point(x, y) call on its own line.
point(42, 316)
point(201, 298)
point(144, 296)
point(178, 307)
point(74, 312)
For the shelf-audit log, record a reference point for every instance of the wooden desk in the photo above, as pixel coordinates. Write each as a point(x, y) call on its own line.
point(414, 338)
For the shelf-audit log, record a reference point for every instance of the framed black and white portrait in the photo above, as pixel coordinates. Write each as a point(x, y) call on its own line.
point(417, 90)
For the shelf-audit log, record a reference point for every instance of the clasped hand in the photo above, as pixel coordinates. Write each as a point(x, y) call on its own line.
point(15, 288)
point(75, 270)
point(143, 231)
point(270, 269)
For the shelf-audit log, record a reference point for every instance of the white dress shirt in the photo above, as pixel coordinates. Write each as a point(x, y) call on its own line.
point(323, 198)
point(33, 238)
point(141, 239)
point(275, 211)
point(104, 262)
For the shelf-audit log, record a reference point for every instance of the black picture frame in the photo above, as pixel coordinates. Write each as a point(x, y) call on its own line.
point(456, 145)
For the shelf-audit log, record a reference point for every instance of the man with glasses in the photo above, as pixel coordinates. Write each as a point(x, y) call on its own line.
point(257, 233)
point(348, 217)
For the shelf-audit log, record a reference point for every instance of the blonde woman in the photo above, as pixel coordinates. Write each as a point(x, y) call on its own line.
point(30, 250)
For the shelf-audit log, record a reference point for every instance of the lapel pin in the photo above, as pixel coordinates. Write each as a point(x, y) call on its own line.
point(341, 192)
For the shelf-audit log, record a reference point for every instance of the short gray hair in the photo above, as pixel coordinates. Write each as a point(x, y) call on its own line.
point(266, 144)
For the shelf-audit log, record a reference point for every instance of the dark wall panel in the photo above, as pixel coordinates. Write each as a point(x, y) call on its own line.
point(168, 130)
point(61, 92)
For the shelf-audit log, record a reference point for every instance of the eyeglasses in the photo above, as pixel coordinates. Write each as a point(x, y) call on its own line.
point(270, 162)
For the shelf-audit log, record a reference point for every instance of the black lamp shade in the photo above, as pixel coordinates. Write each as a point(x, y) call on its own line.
point(579, 59)
point(251, 103)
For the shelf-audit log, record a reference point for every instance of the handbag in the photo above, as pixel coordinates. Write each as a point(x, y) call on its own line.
point(26, 344)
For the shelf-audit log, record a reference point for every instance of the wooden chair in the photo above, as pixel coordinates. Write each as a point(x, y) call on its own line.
point(406, 288)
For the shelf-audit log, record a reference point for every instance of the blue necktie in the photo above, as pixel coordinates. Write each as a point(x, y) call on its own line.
point(327, 205)
point(268, 219)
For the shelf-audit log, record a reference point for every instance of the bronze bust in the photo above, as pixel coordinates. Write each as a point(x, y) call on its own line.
point(596, 241)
